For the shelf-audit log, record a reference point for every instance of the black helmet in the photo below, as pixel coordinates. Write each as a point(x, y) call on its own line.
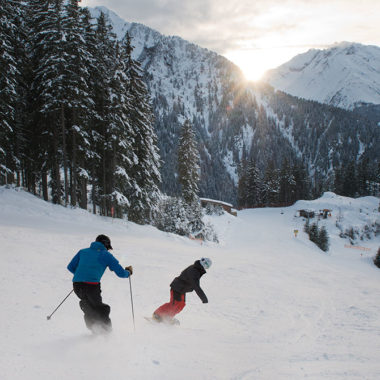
point(105, 240)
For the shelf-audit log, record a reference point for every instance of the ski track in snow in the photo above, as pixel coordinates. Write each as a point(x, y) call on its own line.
point(279, 308)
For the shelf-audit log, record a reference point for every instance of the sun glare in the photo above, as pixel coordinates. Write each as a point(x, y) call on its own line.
point(255, 62)
point(251, 64)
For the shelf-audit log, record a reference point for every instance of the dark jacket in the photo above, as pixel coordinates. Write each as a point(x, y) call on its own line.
point(188, 281)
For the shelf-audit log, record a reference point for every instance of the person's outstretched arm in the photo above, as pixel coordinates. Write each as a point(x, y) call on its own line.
point(114, 265)
point(194, 278)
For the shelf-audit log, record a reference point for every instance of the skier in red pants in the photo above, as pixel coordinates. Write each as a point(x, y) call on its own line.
point(186, 282)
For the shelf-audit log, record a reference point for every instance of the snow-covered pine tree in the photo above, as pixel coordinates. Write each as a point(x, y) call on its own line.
point(20, 141)
point(287, 184)
point(242, 190)
point(9, 72)
point(144, 195)
point(349, 180)
point(122, 134)
point(338, 180)
point(172, 216)
point(376, 260)
point(302, 187)
point(323, 239)
point(313, 233)
point(188, 164)
point(189, 176)
point(101, 136)
point(373, 181)
point(90, 156)
point(78, 102)
point(363, 177)
point(271, 185)
point(48, 83)
point(254, 185)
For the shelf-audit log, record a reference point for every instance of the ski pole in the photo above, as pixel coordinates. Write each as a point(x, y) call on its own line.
point(49, 316)
point(133, 313)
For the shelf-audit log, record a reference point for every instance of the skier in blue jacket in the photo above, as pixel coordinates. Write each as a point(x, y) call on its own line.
point(88, 267)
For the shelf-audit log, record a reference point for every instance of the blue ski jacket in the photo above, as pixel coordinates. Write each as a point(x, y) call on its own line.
point(89, 264)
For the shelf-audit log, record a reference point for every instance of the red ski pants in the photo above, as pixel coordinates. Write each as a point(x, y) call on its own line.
point(170, 309)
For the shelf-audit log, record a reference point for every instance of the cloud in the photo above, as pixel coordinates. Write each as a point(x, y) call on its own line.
point(227, 25)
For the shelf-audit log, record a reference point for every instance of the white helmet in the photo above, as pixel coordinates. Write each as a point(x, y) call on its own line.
point(205, 262)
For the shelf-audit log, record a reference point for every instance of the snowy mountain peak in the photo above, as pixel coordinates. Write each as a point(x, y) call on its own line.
point(120, 26)
point(345, 75)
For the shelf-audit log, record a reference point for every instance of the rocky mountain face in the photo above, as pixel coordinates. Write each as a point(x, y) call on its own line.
point(236, 120)
point(346, 75)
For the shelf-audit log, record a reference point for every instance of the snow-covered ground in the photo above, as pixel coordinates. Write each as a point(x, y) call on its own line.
point(279, 308)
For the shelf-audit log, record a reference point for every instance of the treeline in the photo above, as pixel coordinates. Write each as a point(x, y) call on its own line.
point(274, 187)
point(291, 182)
point(76, 119)
point(358, 179)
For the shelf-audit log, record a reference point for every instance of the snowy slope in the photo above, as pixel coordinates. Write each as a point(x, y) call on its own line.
point(344, 75)
point(279, 308)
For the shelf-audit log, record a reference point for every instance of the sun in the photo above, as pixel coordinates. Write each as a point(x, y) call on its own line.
point(252, 64)
point(255, 62)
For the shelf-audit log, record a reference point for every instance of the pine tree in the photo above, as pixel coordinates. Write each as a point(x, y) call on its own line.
point(254, 185)
point(323, 239)
point(302, 183)
point(144, 195)
point(376, 190)
point(363, 177)
point(338, 181)
point(287, 189)
point(78, 102)
point(89, 159)
point(9, 72)
point(242, 190)
point(314, 233)
point(172, 216)
point(122, 134)
point(36, 131)
point(306, 227)
point(350, 188)
point(188, 164)
point(101, 138)
point(48, 83)
point(20, 140)
point(376, 260)
point(271, 185)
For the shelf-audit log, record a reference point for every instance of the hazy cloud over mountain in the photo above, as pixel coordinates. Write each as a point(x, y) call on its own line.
point(221, 25)
point(265, 32)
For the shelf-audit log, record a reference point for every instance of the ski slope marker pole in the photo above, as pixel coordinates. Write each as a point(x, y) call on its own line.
point(133, 313)
point(49, 316)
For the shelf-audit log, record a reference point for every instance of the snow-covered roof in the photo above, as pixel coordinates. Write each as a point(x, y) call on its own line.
point(216, 201)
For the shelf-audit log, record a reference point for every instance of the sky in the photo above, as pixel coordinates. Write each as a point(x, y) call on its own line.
point(256, 35)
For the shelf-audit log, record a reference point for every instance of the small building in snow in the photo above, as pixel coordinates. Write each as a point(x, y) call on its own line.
point(215, 203)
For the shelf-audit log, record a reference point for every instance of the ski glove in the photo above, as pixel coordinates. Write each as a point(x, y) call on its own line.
point(129, 269)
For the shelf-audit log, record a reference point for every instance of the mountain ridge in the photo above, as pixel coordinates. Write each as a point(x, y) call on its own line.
point(345, 75)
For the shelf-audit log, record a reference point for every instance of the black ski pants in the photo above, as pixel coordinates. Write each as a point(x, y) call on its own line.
point(95, 311)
